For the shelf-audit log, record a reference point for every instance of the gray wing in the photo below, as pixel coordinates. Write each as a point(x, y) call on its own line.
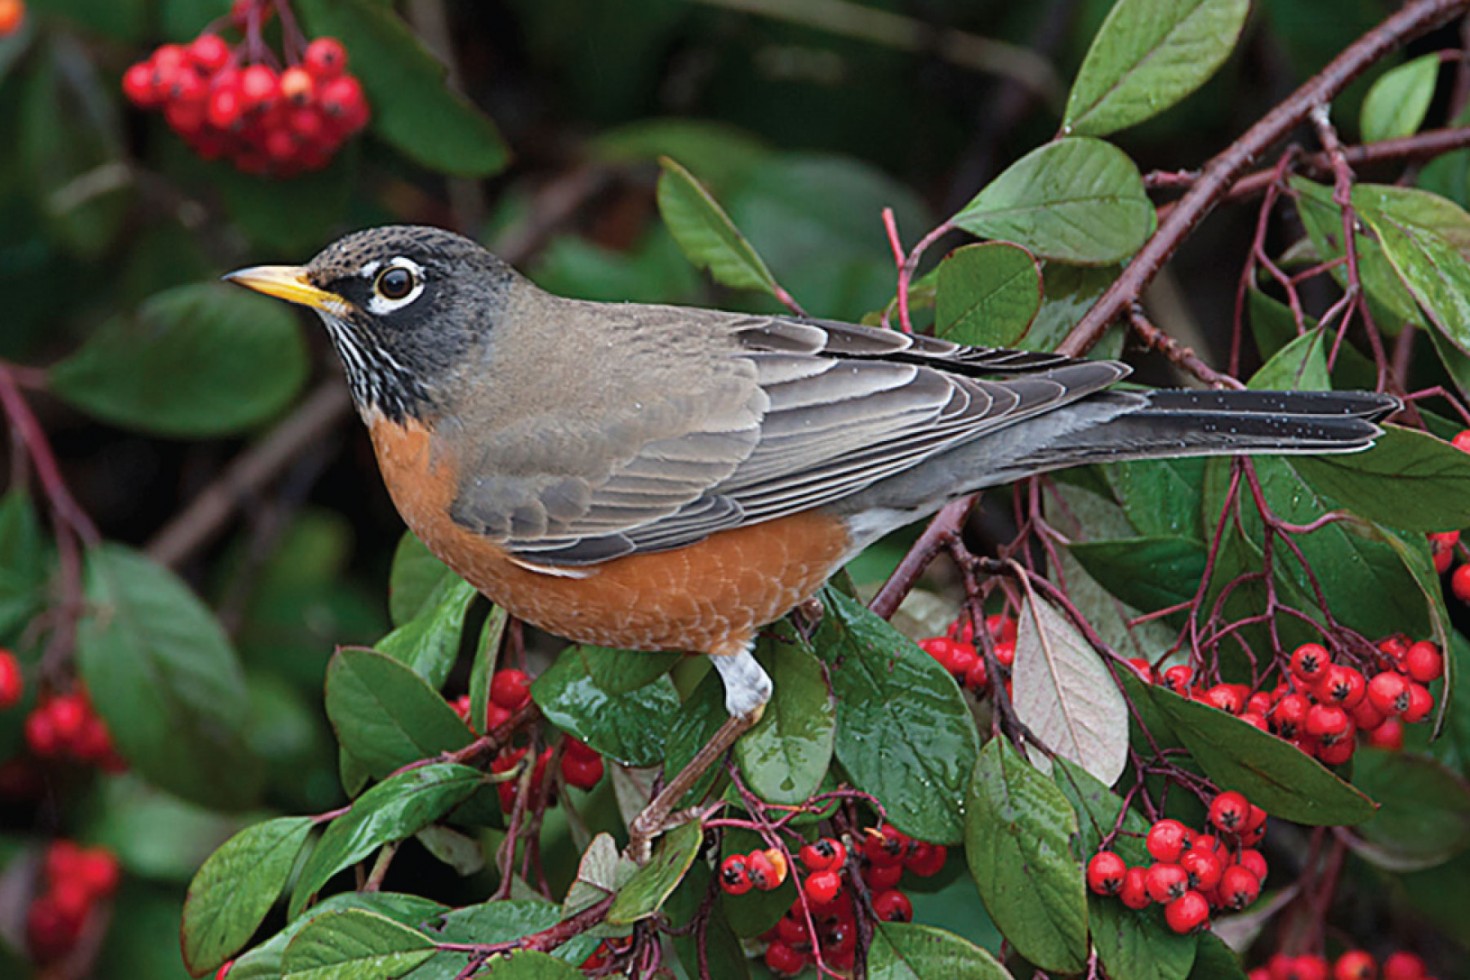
point(812, 412)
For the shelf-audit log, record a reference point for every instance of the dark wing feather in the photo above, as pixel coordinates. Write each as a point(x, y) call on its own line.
point(845, 406)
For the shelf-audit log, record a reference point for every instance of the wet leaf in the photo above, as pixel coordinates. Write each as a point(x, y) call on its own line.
point(651, 886)
point(987, 295)
point(620, 702)
point(784, 757)
point(354, 944)
point(385, 715)
point(909, 951)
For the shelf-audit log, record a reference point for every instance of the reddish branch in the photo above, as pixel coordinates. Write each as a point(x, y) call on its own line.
point(1221, 173)
point(943, 529)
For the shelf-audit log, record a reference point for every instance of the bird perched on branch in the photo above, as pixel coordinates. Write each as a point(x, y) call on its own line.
point(665, 478)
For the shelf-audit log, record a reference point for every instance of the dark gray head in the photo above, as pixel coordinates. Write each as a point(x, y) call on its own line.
point(403, 303)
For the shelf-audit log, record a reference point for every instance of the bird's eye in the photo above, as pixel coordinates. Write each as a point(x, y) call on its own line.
point(395, 282)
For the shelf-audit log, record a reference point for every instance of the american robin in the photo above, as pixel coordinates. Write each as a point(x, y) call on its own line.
point(663, 478)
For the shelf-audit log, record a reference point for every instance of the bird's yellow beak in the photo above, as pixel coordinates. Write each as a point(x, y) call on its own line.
point(289, 282)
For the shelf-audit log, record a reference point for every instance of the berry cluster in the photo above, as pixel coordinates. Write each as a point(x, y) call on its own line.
point(1321, 706)
point(581, 766)
point(764, 870)
point(881, 858)
point(1443, 544)
point(231, 103)
point(957, 653)
point(65, 726)
point(12, 15)
point(510, 691)
point(75, 879)
point(1355, 964)
point(12, 680)
point(1191, 873)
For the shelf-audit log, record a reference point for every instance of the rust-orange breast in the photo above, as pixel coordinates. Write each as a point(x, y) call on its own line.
point(703, 597)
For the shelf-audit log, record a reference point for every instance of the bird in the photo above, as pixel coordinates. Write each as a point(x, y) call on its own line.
point(656, 477)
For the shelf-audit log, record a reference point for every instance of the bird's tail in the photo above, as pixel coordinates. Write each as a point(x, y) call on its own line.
point(1119, 426)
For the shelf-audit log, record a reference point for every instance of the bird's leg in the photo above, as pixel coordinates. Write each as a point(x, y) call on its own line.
point(747, 689)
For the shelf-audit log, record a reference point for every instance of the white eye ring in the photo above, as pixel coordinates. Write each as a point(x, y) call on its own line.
point(378, 303)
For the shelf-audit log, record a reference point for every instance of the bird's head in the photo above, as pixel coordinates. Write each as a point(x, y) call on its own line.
point(402, 303)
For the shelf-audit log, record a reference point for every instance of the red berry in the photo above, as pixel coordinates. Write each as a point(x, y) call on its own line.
point(1389, 735)
point(138, 85)
point(941, 648)
point(511, 689)
point(792, 929)
point(12, 680)
point(1177, 678)
point(297, 85)
point(1166, 882)
point(41, 734)
point(1355, 964)
point(1388, 691)
point(893, 906)
point(1226, 697)
point(886, 845)
point(925, 859)
point(1460, 583)
point(209, 53)
point(1289, 715)
point(582, 773)
point(1306, 967)
point(1005, 653)
point(881, 876)
point(767, 869)
point(1187, 913)
point(826, 854)
point(977, 678)
point(1442, 549)
point(1341, 685)
point(1336, 752)
point(1251, 860)
point(1327, 721)
point(50, 933)
point(496, 716)
point(98, 870)
point(1203, 866)
point(1423, 662)
point(325, 58)
point(1403, 966)
point(259, 86)
point(225, 107)
point(1256, 720)
point(735, 876)
point(1230, 812)
point(1134, 892)
point(1364, 715)
point(781, 959)
point(1105, 873)
point(1421, 702)
point(1167, 840)
point(962, 658)
point(1309, 661)
point(1238, 887)
point(342, 99)
point(12, 15)
point(1461, 441)
point(822, 887)
point(1002, 629)
point(1143, 669)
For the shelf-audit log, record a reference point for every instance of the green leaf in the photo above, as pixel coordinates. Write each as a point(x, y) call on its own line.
point(1424, 819)
point(1077, 200)
point(528, 965)
point(200, 360)
point(988, 295)
point(647, 891)
point(70, 141)
point(1147, 56)
point(429, 643)
point(1018, 831)
point(1409, 480)
point(620, 702)
point(904, 732)
point(236, 887)
point(1069, 291)
point(161, 673)
point(1135, 945)
point(23, 565)
point(395, 809)
point(263, 962)
point(1272, 773)
point(411, 105)
point(1299, 366)
point(784, 757)
point(1147, 573)
point(354, 944)
point(498, 921)
point(1064, 693)
point(1398, 102)
point(412, 579)
point(1434, 271)
point(1160, 496)
point(706, 234)
point(908, 951)
point(385, 715)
